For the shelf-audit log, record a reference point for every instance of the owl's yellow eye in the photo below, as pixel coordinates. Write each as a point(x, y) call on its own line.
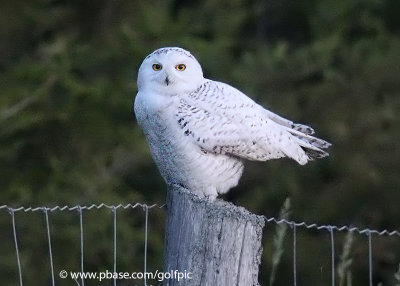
point(157, 67)
point(180, 67)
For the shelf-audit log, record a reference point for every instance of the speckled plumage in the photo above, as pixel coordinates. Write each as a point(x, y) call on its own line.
point(200, 130)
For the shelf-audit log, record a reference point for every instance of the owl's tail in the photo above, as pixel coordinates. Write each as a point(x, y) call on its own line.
point(310, 145)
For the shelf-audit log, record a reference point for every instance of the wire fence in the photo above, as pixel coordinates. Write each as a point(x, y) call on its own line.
point(79, 209)
point(293, 225)
point(332, 229)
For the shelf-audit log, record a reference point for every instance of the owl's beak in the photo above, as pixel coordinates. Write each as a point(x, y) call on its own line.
point(167, 80)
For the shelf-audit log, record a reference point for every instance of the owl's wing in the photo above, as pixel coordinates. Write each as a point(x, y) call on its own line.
point(222, 120)
point(290, 124)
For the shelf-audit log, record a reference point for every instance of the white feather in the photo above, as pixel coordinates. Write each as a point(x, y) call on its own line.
point(199, 130)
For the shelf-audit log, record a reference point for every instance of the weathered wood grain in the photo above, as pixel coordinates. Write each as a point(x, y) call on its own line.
point(216, 241)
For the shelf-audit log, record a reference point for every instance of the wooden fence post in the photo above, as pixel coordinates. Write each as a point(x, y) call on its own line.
point(216, 241)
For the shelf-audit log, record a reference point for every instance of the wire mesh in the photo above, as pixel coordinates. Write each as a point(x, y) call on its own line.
point(47, 211)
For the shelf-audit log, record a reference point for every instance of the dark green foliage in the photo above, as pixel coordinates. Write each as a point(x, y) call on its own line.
point(68, 135)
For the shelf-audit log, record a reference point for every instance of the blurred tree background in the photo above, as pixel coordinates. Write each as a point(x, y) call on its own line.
point(68, 135)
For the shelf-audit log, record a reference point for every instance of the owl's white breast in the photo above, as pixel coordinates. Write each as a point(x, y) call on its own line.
point(178, 159)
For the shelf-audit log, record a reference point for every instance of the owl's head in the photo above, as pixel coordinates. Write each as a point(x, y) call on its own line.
point(170, 71)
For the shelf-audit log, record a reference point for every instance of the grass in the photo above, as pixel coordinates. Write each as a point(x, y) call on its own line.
point(279, 239)
point(397, 276)
point(345, 261)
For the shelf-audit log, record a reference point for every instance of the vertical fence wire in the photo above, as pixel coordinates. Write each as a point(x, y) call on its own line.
point(81, 241)
point(45, 210)
point(16, 246)
point(294, 255)
point(332, 255)
point(114, 212)
point(370, 258)
point(145, 243)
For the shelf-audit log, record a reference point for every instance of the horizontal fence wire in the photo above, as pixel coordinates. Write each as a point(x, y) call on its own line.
point(291, 223)
point(328, 227)
point(79, 207)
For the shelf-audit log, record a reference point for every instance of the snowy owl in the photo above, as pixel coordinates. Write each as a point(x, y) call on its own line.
point(199, 130)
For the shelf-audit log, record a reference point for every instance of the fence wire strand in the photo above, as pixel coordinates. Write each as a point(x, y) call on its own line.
point(114, 212)
point(79, 207)
point(113, 208)
point(146, 209)
point(12, 213)
point(303, 224)
point(370, 258)
point(332, 255)
point(328, 227)
point(81, 240)
point(49, 245)
point(294, 256)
